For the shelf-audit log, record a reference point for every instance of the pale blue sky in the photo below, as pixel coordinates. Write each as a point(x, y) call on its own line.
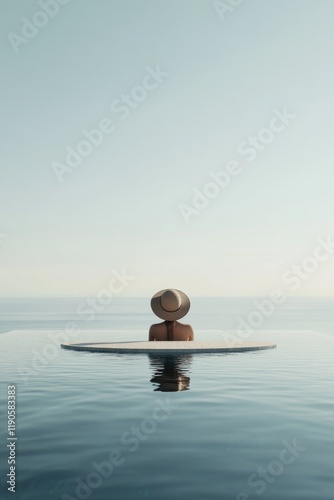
point(120, 207)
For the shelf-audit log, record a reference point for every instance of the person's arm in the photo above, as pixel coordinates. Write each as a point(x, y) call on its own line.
point(150, 335)
point(191, 333)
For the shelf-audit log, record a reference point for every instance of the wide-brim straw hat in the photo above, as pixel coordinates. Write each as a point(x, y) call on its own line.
point(170, 304)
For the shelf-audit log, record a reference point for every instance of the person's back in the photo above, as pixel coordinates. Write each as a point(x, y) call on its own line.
point(170, 305)
point(175, 331)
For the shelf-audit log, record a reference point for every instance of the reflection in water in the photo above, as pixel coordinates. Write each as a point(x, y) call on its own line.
point(170, 372)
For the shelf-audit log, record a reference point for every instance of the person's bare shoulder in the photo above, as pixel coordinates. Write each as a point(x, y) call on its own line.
point(154, 330)
point(189, 330)
point(157, 326)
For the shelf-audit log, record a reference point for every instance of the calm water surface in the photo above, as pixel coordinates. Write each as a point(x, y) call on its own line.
point(206, 426)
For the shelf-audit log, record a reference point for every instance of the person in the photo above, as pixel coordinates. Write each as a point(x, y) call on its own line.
point(170, 305)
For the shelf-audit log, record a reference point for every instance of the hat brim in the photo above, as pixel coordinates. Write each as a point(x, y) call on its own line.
point(166, 315)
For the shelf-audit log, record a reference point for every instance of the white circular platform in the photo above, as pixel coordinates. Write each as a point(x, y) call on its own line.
point(170, 347)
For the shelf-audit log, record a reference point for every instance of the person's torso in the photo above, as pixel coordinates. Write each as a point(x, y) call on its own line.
point(180, 332)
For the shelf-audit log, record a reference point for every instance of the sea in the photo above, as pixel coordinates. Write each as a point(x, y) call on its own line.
point(102, 426)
